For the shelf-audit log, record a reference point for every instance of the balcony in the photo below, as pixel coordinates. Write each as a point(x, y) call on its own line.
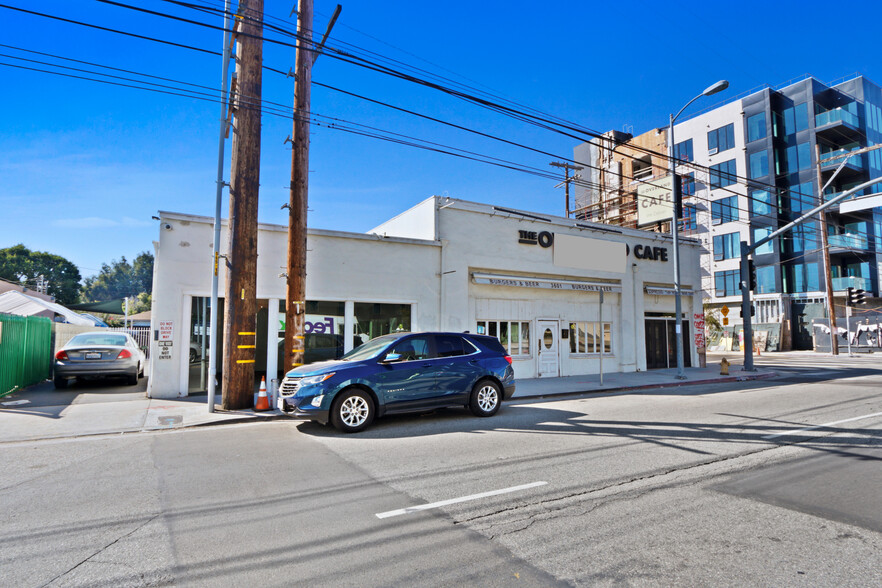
point(855, 163)
point(848, 241)
point(836, 116)
point(856, 282)
point(838, 122)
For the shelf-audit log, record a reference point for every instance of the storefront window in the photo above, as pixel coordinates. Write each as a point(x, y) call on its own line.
point(375, 319)
point(514, 335)
point(587, 337)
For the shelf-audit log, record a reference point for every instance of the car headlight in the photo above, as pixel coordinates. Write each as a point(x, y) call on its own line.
point(311, 380)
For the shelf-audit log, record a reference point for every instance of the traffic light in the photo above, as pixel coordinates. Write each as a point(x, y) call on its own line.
point(751, 270)
point(855, 297)
point(752, 311)
point(678, 196)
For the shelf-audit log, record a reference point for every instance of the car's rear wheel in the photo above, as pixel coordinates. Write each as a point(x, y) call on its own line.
point(133, 379)
point(353, 411)
point(60, 383)
point(486, 398)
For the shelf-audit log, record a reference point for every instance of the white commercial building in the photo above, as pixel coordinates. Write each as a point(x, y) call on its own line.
point(564, 297)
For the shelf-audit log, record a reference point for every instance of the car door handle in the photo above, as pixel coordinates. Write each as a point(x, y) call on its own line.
point(425, 365)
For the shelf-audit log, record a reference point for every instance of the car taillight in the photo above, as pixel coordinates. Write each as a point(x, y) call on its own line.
point(124, 354)
point(508, 358)
point(61, 356)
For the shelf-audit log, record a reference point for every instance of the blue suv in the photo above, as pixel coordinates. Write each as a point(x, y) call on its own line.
point(401, 372)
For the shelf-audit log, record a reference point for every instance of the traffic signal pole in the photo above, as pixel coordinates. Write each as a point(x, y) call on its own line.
point(746, 250)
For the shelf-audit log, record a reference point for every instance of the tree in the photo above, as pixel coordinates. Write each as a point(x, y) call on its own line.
point(21, 265)
point(121, 279)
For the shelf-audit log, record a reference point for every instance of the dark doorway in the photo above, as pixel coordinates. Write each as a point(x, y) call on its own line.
point(661, 339)
point(803, 314)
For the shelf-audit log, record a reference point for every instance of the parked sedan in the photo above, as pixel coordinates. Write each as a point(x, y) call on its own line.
point(99, 354)
point(401, 372)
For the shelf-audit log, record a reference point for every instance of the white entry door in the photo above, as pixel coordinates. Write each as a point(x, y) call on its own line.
point(549, 357)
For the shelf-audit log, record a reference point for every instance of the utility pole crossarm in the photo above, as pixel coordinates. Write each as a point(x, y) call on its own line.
point(320, 46)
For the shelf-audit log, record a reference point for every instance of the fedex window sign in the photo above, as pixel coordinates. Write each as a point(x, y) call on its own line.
point(331, 325)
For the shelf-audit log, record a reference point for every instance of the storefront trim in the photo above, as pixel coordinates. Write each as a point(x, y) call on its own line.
point(544, 283)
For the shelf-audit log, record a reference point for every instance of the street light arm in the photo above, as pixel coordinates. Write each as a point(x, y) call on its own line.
point(676, 116)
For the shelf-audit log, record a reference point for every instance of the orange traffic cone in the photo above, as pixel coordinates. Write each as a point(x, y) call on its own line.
point(262, 400)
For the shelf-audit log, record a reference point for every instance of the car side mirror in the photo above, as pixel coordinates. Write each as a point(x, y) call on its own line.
point(392, 357)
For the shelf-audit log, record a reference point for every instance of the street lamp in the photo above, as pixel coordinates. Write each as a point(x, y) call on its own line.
point(675, 232)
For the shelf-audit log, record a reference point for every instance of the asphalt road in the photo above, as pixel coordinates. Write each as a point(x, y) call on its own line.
point(728, 485)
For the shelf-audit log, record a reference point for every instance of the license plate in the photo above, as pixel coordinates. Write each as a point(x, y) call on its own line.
point(280, 403)
point(93, 356)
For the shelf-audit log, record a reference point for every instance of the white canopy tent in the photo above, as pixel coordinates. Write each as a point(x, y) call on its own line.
point(21, 304)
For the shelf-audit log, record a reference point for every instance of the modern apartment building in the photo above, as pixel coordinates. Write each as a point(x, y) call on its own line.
point(749, 167)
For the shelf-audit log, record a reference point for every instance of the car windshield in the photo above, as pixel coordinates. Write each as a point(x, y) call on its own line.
point(98, 339)
point(370, 349)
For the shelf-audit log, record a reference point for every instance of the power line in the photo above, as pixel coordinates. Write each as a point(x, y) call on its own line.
point(524, 117)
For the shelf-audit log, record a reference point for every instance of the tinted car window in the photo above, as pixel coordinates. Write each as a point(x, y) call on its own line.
point(449, 346)
point(412, 348)
point(491, 343)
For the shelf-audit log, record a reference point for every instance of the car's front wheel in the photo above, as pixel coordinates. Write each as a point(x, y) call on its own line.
point(486, 398)
point(353, 411)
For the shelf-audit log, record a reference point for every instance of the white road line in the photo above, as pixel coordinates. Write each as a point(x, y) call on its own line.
point(866, 416)
point(401, 511)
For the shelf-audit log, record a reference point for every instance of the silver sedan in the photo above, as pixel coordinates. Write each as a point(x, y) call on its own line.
point(99, 354)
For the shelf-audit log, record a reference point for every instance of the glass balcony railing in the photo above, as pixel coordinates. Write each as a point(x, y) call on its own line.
point(837, 115)
point(849, 242)
point(855, 282)
point(854, 162)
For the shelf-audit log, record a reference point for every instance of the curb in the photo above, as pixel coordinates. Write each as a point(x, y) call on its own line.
point(725, 380)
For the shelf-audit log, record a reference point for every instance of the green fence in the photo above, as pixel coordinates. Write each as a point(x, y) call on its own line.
point(25, 351)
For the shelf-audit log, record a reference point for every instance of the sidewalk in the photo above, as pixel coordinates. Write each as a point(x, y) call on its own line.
point(21, 421)
point(623, 382)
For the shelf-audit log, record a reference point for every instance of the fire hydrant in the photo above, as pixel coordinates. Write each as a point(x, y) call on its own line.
point(724, 367)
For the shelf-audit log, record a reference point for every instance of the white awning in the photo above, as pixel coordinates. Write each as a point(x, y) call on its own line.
point(545, 283)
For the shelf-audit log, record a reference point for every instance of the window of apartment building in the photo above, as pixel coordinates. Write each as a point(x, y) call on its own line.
point(721, 139)
point(726, 283)
point(801, 197)
point(762, 203)
point(683, 150)
point(514, 335)
point(724, 210)
point(801, 277)
point(759, 164)
point(723, 174)
point(760, 233)
point(793, 159)
point(687, 184)
point(765, 279)
point(689, 221)
point(804, 237)
point(756, 127)
point(726, 246)
point(588, 337)
point(791, 120)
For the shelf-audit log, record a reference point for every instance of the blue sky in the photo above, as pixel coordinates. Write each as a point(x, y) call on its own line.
point(85, 165)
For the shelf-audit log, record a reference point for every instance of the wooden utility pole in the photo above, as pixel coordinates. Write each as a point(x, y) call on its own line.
point(567, 179)
point(295, 308)
point(240, 311)
point(825, 255)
